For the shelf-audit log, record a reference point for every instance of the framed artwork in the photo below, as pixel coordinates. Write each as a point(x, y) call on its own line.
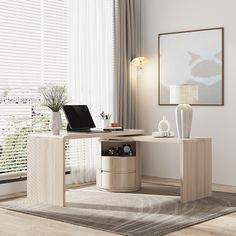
point(192, 57)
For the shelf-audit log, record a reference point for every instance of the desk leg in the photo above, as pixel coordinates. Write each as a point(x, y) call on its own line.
point(46, 170)
point(195, 169)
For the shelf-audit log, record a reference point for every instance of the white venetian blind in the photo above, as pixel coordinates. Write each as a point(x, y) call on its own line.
point(55, 41)
point(20, 30)
point(33, 52)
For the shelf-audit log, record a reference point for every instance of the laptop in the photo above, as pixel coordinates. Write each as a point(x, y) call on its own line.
point(79, 119)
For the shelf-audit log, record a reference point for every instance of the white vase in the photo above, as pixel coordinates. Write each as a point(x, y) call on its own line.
point(184, 120)
point(56, 123)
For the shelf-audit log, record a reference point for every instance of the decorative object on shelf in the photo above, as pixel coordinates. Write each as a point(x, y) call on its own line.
point(112, 151)
point(139, 62)
point(184, 95)
point(163, 129)
point(55, 97)
point(120, 151)
point(164, 125)
point(106, 119)
point(197, 58)
point(125, 150)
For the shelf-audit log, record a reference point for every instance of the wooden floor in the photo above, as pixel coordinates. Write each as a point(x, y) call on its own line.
point(17, 224)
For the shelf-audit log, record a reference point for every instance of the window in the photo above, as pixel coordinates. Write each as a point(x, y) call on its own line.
point(65, 42)
point(34, 39)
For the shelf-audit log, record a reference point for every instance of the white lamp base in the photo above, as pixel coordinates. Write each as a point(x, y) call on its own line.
point(184, 116)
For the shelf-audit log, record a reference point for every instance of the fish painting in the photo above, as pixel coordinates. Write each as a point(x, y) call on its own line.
point(205, 69)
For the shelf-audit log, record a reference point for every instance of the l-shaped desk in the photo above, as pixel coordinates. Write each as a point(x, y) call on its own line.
point(46, 163)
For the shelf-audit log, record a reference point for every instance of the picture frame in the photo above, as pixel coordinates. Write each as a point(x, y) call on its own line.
point(192, 57)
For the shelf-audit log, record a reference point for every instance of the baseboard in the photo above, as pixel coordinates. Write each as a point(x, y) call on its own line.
point(12, 188)
point(69, 186)
point(23, 194)
point(145, 179)
point(176, 182)
point(11, 196)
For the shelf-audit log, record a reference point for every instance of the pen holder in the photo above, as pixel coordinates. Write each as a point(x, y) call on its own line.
point(106, 123)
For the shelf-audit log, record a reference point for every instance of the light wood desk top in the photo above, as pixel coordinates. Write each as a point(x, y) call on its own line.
point(144, 138)
point(78, 135)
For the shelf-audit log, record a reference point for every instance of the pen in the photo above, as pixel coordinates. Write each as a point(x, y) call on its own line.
point(105, 116)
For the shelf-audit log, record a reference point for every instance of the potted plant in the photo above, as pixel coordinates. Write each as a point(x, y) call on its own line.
point(55, 97)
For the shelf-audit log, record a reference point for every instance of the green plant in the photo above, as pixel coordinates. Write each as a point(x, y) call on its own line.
point(13, 153)
point(55, 97)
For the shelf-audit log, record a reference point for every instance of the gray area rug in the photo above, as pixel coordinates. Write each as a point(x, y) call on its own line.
point(155, 210)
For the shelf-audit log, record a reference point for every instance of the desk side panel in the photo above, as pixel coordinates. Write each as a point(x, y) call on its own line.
point(196, 169)
point(46, 170)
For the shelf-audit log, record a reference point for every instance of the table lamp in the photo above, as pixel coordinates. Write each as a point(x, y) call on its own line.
point(184, 95)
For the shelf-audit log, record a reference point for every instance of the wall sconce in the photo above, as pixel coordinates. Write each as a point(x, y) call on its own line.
point(139, 62)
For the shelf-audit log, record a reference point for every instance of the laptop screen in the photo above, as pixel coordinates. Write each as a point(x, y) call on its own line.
point(78, 117)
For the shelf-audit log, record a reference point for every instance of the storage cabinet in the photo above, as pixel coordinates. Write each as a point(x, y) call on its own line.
point(119, 172)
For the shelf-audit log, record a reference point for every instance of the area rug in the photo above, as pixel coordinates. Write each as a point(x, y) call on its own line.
point(155, 210)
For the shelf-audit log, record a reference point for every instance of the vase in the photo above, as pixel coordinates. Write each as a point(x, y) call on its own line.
point(184, 116)
point(56, 123)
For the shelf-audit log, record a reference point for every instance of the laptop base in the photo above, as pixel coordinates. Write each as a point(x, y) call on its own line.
point(91, 130)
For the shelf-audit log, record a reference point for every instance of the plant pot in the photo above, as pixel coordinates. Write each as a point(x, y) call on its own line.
point(56, 123)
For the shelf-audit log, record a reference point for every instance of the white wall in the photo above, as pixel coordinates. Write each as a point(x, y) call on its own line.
point(159, 16)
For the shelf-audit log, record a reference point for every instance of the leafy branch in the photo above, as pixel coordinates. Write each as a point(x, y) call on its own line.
point(55, 97)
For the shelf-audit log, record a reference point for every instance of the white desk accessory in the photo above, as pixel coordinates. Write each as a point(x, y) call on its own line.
point(163, 129)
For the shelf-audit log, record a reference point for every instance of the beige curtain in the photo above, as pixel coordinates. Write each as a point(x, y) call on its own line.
point(126, 47)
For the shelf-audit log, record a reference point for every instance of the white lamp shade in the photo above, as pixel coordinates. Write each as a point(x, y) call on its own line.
point(184, 94)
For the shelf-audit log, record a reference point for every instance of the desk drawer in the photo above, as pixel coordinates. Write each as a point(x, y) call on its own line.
point(118, 164)
point(118, 181)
